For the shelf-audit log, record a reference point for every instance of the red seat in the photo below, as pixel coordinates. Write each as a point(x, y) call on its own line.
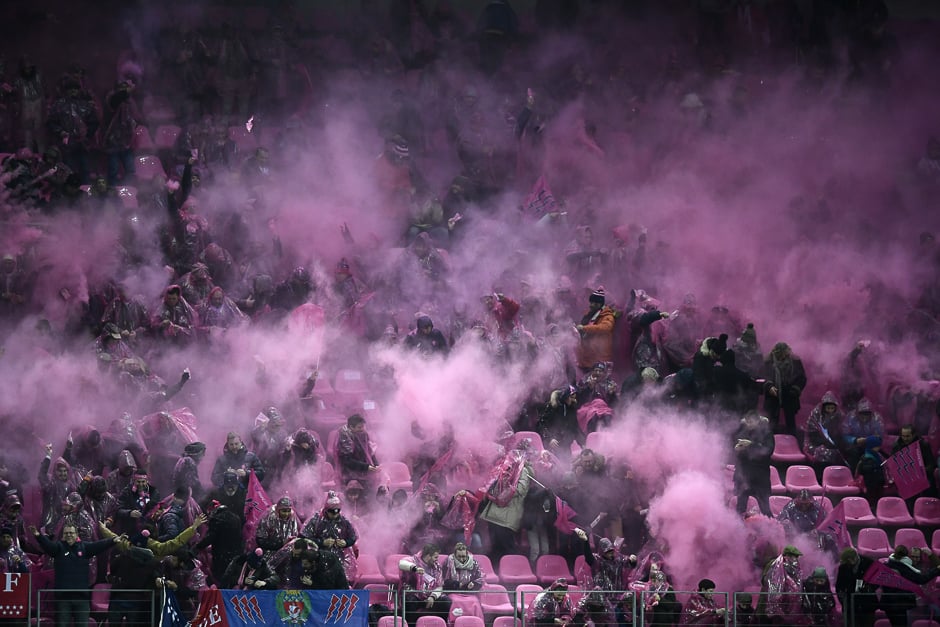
point(751, 504)
point(925, 622)
point(598, 441)
point(838, 480)
point(391, 570)
point(873, 543)
point(495, 599)
point(368, 571)
point(142, 141)
point(525, 594)
point(858, 512)
point(128, 196)
point(911, 538)
point(777, 503)
point(927, 511)
point(548, 568)
point(148, 167)
point(469, 621)
point(535, 440)
point(787, 450)
point(100, 596)
point(489, 571)
point(515, 570)
point(776, 486)
point(582, 572)
point(327, 476)
point(166, 136)
point(892, 511)
point(802, 478)
point(399, 476)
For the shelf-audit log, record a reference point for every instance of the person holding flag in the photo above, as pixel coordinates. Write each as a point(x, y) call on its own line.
point(610, 569)
point(901, 583)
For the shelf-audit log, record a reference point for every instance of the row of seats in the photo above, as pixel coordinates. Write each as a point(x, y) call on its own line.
point(514, 570)
point(873, 541)
point(787, 449)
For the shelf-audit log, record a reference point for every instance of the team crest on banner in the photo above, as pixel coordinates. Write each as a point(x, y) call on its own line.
point(292, 607)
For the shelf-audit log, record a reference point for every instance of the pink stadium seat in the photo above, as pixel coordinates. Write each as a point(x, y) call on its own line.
point(582, 572)
point(598, 440)
point(515, 570)
point(430, 621)
point(350, 382)
point(392, 573)
point(927, 511)
point(332, 438)
point(935, 541)
point(368, 571)
point(489, 571)
point(802, 477)
point(838, 480)
point(525, 594)
point(925, 622)
point(327, 476)
point(166, 136)
point(469, 621)
point(535, 440)
point(399, 476)
point(505, 621)
point(776, 486)
point(548, 568)
point(128, 196)
point(751, 504)
point(378, 593)
point(826, 504)
point(911, 538)
point(148, 167)
point(495, 599)
point(100, 596)
point(873, 543)
point(882, 622)
point(892, 511)
point(392, 621)
point(858, 512)
point(142, 141)
point(777, 503)
point(787, 450)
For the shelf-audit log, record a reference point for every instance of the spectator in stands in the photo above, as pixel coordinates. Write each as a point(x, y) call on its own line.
point(753, 447)
point(870, 469)
point(250, 572)
point(818, 600)
point(334, 533)
point(236, 458)
point(462, 571)
point(224, 535)
point(551, 607)
point(426, 339)
point(12, 558)
point(610, 569)
point(801, 515)
point(897, 603)
point(597, 332)
point(785, 379)
point(422, 579)
point(135, 503)
point(186, 470)
point(355, 452)
point(278, 525)
point(856, 595)
point(908, 436)
point(823, 432)
point(72, 556)
point(864, 421)
point(701, 608)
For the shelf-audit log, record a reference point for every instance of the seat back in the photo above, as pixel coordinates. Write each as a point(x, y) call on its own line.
point(526, 592)
point(548, 568)
point(839, 476)
point(800, 477)
point(911, 538)
point(857, 507)
point(927, 511)
point(514, 568)
point(489, 571)
point(392, 621)
point(873, 542)
point(891, 507)
point(430, 621)
point(468, 621)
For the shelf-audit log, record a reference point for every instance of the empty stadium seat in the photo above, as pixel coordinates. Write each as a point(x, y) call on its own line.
point(392, 573)
point(100, 597)
point(328, 476)
point(582, 572)
point(525, 594)
point(858, 512)
point(838, 480)
point(495, 599)
point(787, 450)
point(515, 570)
point(873, 543)
point(148, 167)
point(489, 571)
point(166, 136)
point(777, 503)
point(802, 478)
point(392, 621)
point(927, 511)
point(469, 621)
point(506, 621)
point(430, 621)
point(399, 476)
point(892, 511)
point(925, 622)
point(142, 141)
point(548, 568)
point(776, 486)
point(368, 571)
point(911, 538)
point(378, 593)
point(598, 440)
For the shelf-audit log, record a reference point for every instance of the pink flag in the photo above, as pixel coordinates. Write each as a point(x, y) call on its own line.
point(540, 200)
point(257, 504)
point(906, 468)
point(880, 575)
point(563, 522)
point(834, 525)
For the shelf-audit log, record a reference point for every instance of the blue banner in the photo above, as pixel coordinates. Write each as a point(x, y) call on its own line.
point(322, 608)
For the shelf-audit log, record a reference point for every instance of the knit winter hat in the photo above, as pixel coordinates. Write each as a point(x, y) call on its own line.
point(332, 500)
point(254, 559)
point(598, 296)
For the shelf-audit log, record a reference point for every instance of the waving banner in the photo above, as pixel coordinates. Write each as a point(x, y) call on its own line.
point(323, 608)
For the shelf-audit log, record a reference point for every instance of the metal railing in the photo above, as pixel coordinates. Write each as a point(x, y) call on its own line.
point(136, 606)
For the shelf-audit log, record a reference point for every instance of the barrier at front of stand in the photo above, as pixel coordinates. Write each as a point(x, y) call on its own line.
point(15, 600)
point(238, 608)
